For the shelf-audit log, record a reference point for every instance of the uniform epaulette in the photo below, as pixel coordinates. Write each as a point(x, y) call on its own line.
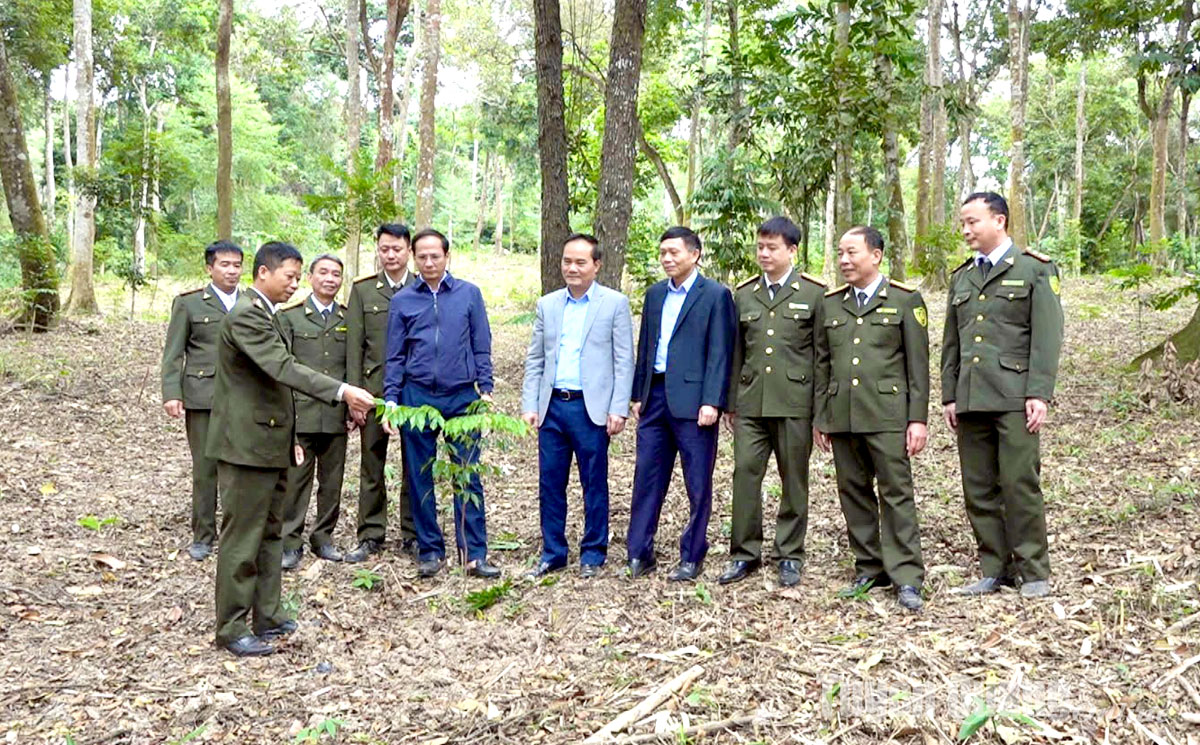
point(902, 285)
point(750, 281)
point(191, 292)
point(296, 301)
point(1039, 256)
point(368, 275)
point(836, 290)
point(813, 278)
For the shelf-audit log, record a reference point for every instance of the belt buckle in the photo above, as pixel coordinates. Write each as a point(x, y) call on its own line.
point(564, 394)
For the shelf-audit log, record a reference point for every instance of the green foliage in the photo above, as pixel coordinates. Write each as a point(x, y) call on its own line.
point(195, 733)
point(703, 594)
point(363, 198)
point(91, 522)
point(941, 251)
point(366, 579)
point(325, 728)
point(481, 600)
point(984, 714)
point(729, 207)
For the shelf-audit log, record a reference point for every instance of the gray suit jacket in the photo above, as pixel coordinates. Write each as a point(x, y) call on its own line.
point(606, 360)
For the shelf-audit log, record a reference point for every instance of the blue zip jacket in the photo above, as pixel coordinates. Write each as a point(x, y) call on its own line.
point(440, 340)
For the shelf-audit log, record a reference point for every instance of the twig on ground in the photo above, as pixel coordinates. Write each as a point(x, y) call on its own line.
point(697, 729)
point(647, 705)
point(1179, 670)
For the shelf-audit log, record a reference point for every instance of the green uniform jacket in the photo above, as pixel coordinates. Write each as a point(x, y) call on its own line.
point(877, 359)
point(189, 361)
point(773, 357)
point(1003, 335)
point(366, 337)
point(321, 346)
point(253, 416)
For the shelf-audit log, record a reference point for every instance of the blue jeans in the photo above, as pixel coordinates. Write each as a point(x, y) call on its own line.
point(567, 431)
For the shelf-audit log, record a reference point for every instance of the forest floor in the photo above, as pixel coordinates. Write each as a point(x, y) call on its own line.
point(107, 631)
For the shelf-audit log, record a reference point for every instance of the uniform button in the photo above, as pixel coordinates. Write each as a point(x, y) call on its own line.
point(327, 353)
point(376, 307)
point(768, 368)
point(771, 314)
point(978, 339)
point(979, 317)
point(854, 382)
point(982, 296)
point(854, 361)
point(975, 360)
point(857, 340)
point(770, 332)
point(895, 389)
point(272, 422)
point(859, 321)
point(768, 350)
point(206, 319)
point(834, 322)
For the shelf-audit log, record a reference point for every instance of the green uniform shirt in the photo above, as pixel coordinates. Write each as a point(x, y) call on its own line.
point(366, 336)
point(320, 344)
point(189, 361)
point(773, 358)
point(1003, 334)
point(877, 358)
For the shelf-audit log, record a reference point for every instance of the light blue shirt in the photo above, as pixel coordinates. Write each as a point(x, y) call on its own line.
point(570, 342)
point(996, 254)
point(672, 304)
point(869, 289)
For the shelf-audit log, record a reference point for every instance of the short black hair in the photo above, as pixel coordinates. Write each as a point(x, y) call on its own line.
point(325, 257)
point(996, 204)
point(690, 239)
point(427, 232)
point(591, 240)
point(871, 236)
point(221, 247)
point(394, 229)
point(274, 253)
point(782, 227)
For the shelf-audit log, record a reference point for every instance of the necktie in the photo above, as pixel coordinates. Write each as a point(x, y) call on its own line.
point(774, 288)
point(984, 266)
point(325, 314)
point(862, 298)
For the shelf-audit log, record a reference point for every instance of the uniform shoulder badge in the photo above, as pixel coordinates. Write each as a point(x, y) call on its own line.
point(748, 282)
point(296, 301)
point(1039, 256)
point(921, 315)
point(814, 279)
point(966, 263)
point(190, 292)
point(836, 290)
point(901, 285)
point(368, 275)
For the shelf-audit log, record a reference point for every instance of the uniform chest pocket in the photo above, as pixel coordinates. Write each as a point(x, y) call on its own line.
point(885, 330)
point(1013, 293)
point(958, 301)
point(751, 316)
point(836, 331)
point(205, 323)
point(799, 315)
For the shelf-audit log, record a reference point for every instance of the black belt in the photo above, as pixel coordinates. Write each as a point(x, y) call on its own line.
point(659, 378)
point(562, 394)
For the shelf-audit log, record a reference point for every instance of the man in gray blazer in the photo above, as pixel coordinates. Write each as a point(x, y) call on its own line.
point(578, 377)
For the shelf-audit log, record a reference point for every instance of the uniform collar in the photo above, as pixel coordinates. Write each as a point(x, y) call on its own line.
point(783, 280)
point(996, 254)
point(396, 285)
point(870, 289)
point(322, 308)
point(227, 298)
point(270, 306)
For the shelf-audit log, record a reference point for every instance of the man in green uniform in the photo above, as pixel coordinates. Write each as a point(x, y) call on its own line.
point(1000, 350)
point(771, 402)
point(366, 351)
point(873, 349)
point(253, 440)
point(189, 363)
point(315, 328)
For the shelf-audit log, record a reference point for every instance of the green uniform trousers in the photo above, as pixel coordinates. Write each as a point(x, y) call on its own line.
point(204, 477)
point(324, 454)
point(248, 564)
point(884, 531)
point(754, 440)
point(1001, 468)
point(372, 491)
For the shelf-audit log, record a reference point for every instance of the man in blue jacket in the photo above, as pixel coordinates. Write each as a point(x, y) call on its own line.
point(439, 353)
point(680, 386)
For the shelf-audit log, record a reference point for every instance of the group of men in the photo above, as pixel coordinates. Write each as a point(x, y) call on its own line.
point(784, 361)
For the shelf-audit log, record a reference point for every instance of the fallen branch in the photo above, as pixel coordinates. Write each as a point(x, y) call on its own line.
point(1190, 718)
point(1183, 623)
point(1191, 690)
point(647, 705)
point(1180, 670)
point(1145, 731)
point(696, 729)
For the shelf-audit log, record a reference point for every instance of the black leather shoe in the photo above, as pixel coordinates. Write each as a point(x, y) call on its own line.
point(291, 558)
point(409, 546)
point(363, 550)
point(789, 573)
point(863, 584)
point(200, 551)
point(909, 598)
point(483, 569)
point(641, 567)
point(985, 586)
point(429, 568)
point(588, 571)
point(327, 552)
point(249, 646)
point(736, 571)
point(542, 569)
point(282, 629)
point(687, 571)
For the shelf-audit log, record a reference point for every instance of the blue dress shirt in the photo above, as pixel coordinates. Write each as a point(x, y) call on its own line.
point(672, 304)
point(440, 340)
point(570, 342)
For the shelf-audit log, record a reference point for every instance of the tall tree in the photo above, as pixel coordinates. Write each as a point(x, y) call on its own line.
point(1181, 218)
point(897, 235)
point(353, 132)
point(844, 142)
point(937, 116)
point(428, 145)
point(39, 275)
point(396, 11)
point(614, 204)
point(224, 123)
point(83, 292)
point(1080, 137)
point(1018, 65)
point(694, 153)
point(552, 140)
point(49, 192)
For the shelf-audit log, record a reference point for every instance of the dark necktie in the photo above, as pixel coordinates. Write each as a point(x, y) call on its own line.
point(774, 288)
point(984, 266)
point(862, 298)
point(325, 315)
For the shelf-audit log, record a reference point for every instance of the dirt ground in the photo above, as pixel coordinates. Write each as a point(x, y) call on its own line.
point(107, 631)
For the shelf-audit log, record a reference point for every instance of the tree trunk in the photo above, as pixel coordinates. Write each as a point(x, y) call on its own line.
point(353, 132)
point(1185, 99)
point(737, 123)
point(428, 144)
point(552, 141)
point(481, 204)
point(693, 155)
point(501, 180)
point(403, 98)
point(140, 201)
point(897, 237)
point(925, 147)
point(937, 113)
point(224, 123)
point(82, 299)
point(965, 181)
point(1018, 64)
point(1158, 177)
point(1186, 341)
point(396, 11)
point(614, 205)
point(844, 142)
point(39, 275)
point(829, 270)
point(68, 167)
point(50, 193)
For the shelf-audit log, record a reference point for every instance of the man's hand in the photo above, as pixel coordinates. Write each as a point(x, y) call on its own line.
point(635, 408)
point(915, 437)
point(615, 425)
point(351, 425)
point(298, 452)
point(950, 412)
point(358, 400)
point(390, 429)
point(1035, 414)
point(530, 418)
point(708, 416)
point(359, 418)
point(174, 408)
point(822, 440)
point(729, 418)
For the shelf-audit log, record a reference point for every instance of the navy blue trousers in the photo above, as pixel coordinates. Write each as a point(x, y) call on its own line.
point(420, 449)
point(567, 431)
point(660, 437)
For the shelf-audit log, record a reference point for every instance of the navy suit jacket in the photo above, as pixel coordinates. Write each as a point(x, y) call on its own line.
point(700, 353)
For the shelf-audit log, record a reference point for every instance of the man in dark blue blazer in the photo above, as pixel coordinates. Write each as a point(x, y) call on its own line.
point(680, 385)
